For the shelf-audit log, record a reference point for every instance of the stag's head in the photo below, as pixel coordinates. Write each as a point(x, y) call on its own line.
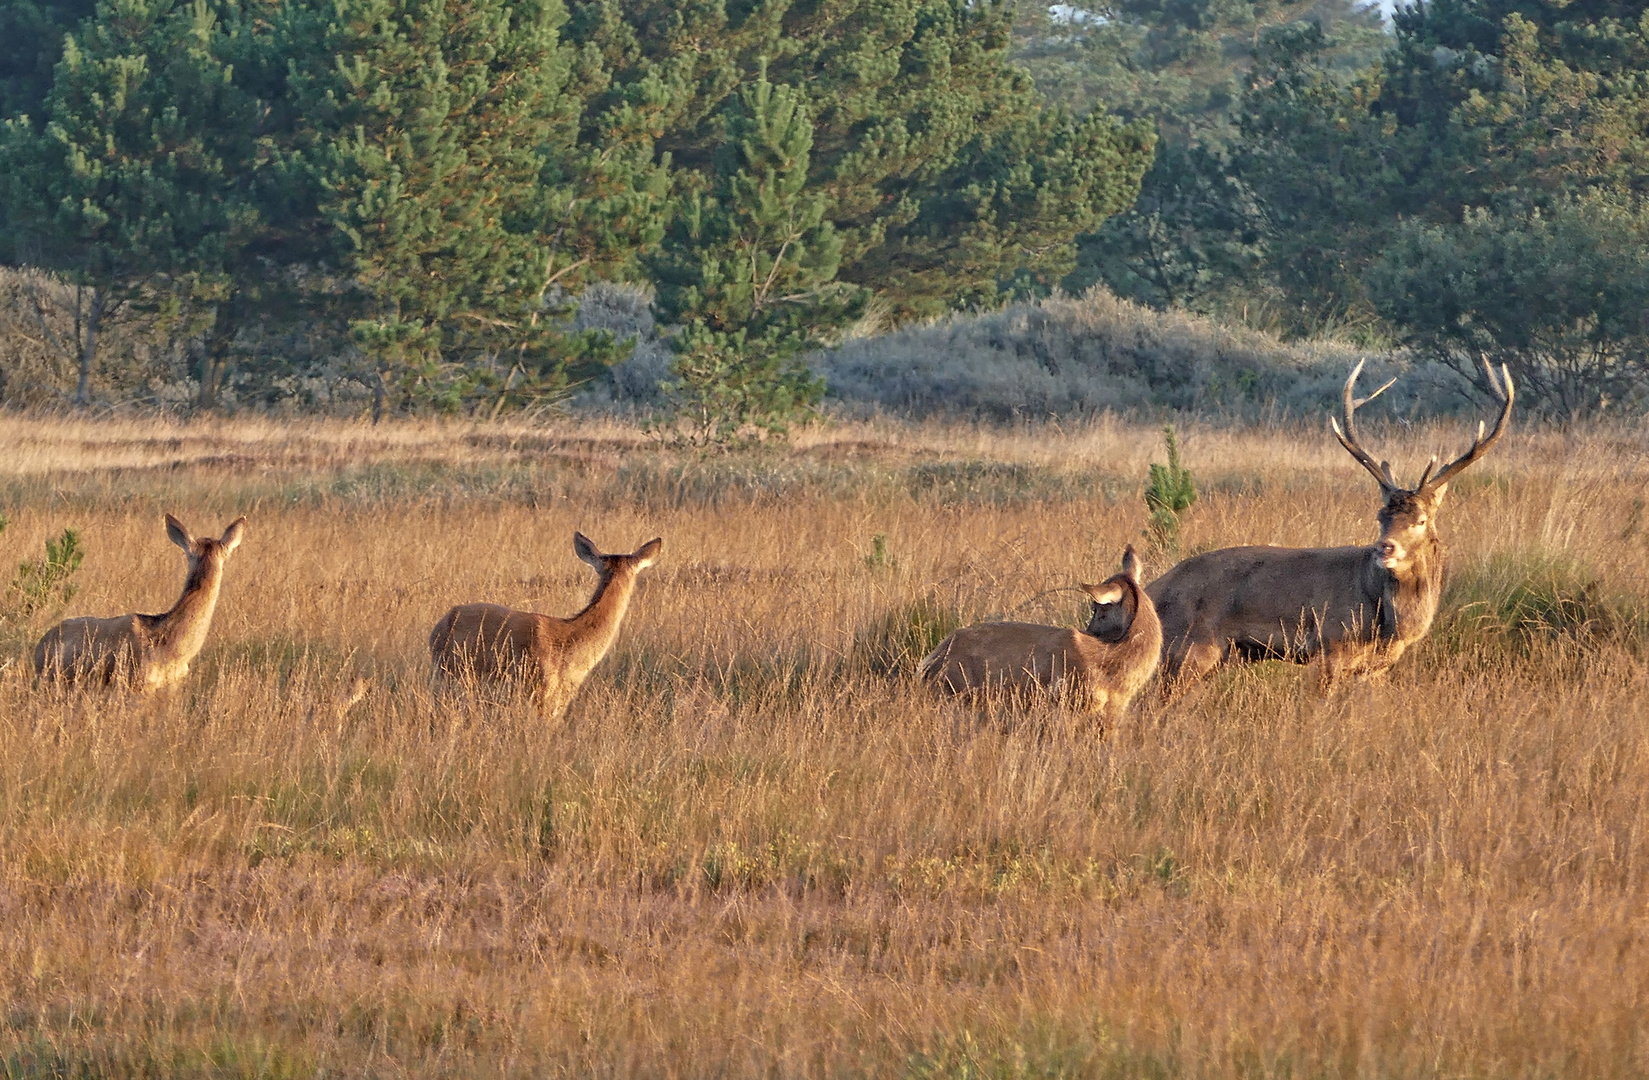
point(1116, 599)
point(1407, 513)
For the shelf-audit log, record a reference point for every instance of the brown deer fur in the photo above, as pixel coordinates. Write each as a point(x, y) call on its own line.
point(551, 657)
point(1356, 609)
point(1097, 670)
point(148, 652)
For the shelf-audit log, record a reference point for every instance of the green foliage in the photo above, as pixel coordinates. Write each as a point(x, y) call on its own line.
point(1168, 494)
point(879, 558)
point(432, 154)
point(724, 393)
point(415, 188)
point(1197, 234)
point(897, 642)
point(1561, 297)
point(1513, 601)
point(49, 582)
point(135, 185)
point(749, 267)
point(31, 43)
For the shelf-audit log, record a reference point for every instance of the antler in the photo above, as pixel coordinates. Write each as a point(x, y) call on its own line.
point(1348, 435)
point(1505, 391)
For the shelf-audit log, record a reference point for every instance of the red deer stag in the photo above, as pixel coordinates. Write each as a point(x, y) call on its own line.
point(1357, 608)
point(149, 652)
point(551, 657)
point(1098, 670)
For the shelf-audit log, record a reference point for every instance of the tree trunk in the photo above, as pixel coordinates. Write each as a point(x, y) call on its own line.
point(88, 348)
point(214, 355)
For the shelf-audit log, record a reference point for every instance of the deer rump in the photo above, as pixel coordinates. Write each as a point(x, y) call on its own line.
point(1022, 660)
point(1260, 603)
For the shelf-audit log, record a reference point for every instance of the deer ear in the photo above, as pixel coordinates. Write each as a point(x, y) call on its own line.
point(586, 550)
point(179, 535)
point(233, 535)
point(648, 554)
point(1131, 565)
point(1108, 593)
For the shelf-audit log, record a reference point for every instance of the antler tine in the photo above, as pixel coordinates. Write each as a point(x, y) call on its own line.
point(1507, 393)
point(1348, 435)
point(1426, 472)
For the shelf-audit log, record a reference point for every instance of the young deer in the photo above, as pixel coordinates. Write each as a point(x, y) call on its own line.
point(148, 652)
point(1357, 608)
point(1098, 670)
point(550, 656)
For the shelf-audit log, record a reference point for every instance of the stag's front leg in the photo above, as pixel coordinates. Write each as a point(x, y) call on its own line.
point(1349, 660)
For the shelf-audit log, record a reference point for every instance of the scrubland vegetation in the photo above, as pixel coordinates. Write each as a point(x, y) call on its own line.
point(754, 847)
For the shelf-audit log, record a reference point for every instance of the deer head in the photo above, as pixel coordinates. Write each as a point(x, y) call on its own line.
point(1407, 513)
point(1116, 599)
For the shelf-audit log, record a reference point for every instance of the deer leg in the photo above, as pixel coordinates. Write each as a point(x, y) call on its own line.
point(1198, 661)
point(1340, 662)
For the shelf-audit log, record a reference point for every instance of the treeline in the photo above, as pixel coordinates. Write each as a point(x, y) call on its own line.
point(408, 195)
point(419, 186)
point(1469, 185)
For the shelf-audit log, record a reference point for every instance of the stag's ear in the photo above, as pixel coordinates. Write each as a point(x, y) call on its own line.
point(586, 550)
point(648, 553)
point(179, 535)
point(1131, 564)
point(1436, 493)
point(233, 535)
point(1108, 593)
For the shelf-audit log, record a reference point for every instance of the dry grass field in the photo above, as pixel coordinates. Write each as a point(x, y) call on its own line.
point(748, 850)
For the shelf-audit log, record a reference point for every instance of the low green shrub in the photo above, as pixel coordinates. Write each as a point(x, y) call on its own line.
point(896, 643)
point(1511, 600)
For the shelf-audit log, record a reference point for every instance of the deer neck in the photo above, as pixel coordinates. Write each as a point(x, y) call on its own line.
point(1406, 600)
point(179, 634)
point(597, 625)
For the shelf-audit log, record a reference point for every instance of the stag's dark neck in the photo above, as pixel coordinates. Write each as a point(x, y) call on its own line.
point(1406, 600)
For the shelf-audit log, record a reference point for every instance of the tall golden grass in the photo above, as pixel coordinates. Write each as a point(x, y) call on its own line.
point(747, 851)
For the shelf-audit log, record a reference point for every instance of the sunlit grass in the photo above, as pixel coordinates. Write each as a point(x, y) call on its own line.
point(755, 847)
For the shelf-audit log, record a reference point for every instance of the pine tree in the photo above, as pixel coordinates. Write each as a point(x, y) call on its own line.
point(1197, 233)
point(31, 43)
point(131, 189)
point(749, 269)
point(946, 179)
point(440, 140)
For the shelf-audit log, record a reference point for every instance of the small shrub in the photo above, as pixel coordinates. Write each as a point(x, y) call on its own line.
point(879, 559)
point(1514, 599)
point(1169, 493)
point(897, 642)
point(47, 583)
point(724, 392)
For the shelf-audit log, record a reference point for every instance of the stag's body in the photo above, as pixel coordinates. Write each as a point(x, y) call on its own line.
point(550, 657)
point(1356, 610)
point(1299, 604)
point(1097, 670)
point(147, 652)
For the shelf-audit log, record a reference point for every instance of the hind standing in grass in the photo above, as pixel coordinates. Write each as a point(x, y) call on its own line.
point(551, 657)
point(149, 652)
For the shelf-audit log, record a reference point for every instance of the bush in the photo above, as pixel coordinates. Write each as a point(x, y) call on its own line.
point(1513, 600)
point(47, 583)
point(896, 643)
point(1077, 357)
point(1169, 493)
